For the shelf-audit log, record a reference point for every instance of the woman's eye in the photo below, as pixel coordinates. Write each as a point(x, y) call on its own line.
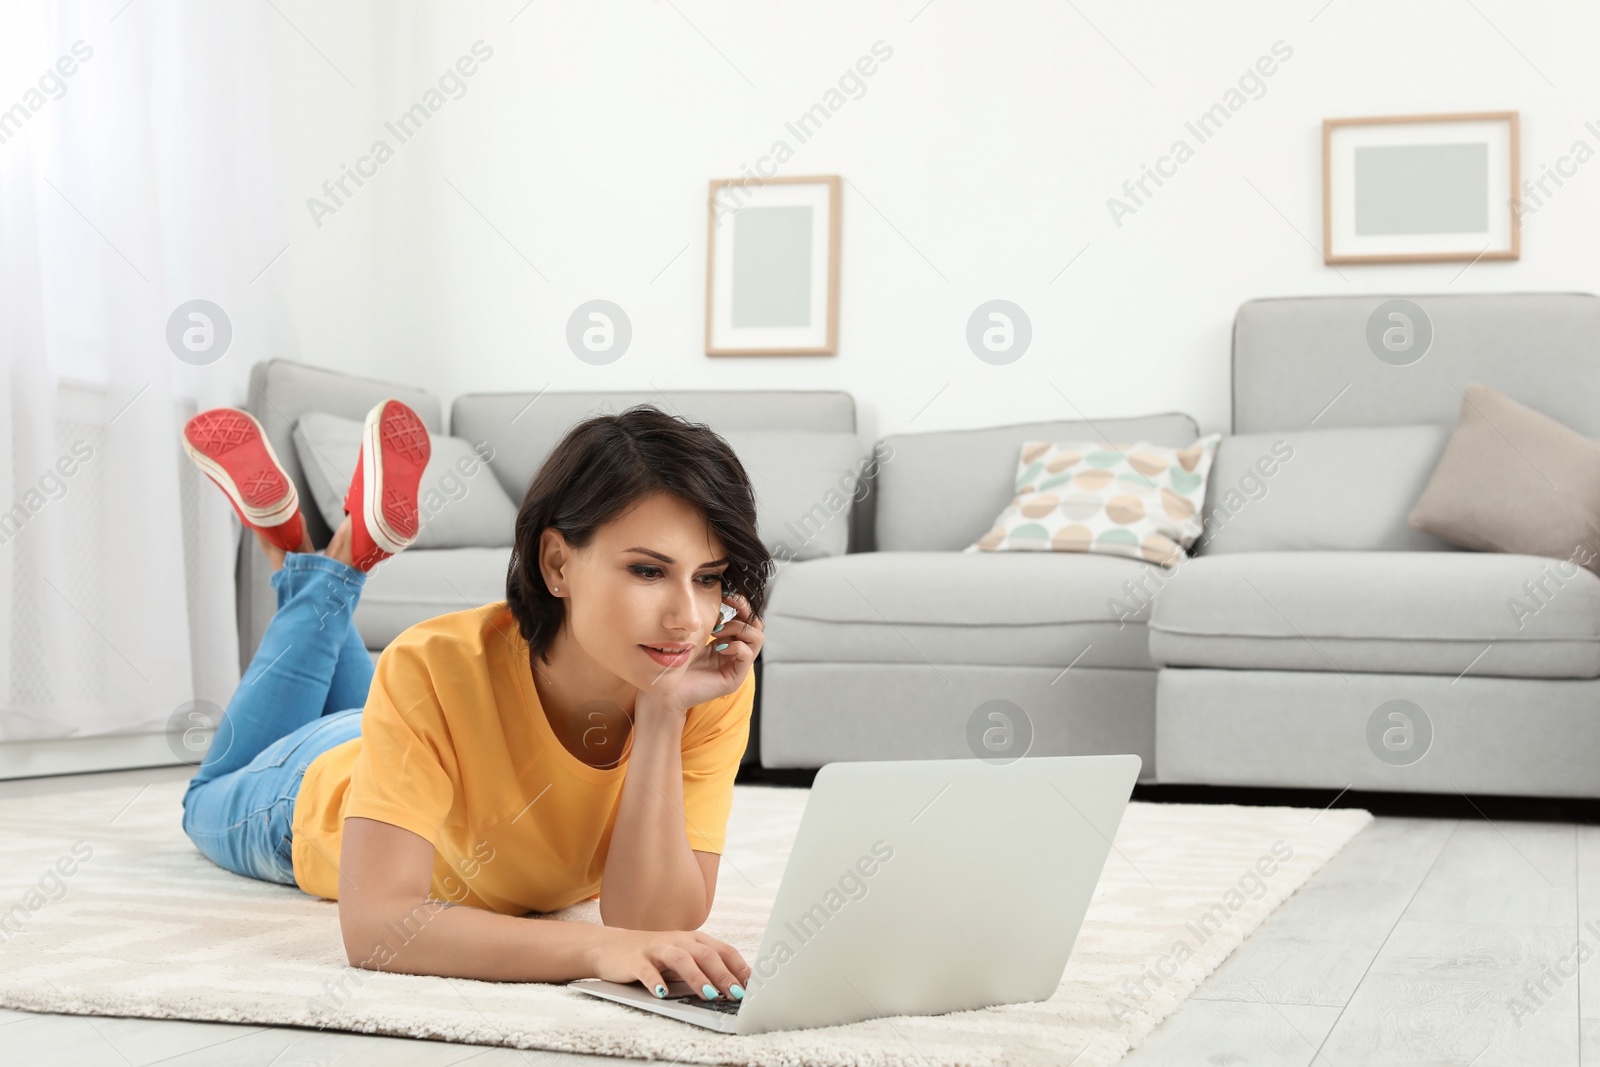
point(644, 570)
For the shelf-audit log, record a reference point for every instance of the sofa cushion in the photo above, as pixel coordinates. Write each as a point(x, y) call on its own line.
point(1005, 609)
point(942, 490)
point(1513, 480)
point(1403, 612)
point(461, 503)
point(404, 590)
point(1320, 489)
point(805, 483)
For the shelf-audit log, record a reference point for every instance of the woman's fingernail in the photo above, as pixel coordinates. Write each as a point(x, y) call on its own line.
point(709, 991)
point(722, 646)
point(737, 991)
point(661, 990)
point(717, 629)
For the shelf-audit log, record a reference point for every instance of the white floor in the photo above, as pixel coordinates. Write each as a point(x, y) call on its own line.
point(1409, 948)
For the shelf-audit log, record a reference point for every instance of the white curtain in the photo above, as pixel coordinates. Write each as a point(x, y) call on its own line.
point(141, 175)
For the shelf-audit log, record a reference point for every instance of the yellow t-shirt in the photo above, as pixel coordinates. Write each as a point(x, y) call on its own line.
point(455, 747)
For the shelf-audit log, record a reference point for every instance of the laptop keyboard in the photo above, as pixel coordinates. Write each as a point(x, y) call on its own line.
point(727, 1007)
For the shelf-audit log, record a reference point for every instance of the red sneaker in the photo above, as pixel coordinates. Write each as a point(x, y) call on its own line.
point(382, 499)
point(228, 446)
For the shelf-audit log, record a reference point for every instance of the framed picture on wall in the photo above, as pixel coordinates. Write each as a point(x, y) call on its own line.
point(772, 267)
point(1420, 188)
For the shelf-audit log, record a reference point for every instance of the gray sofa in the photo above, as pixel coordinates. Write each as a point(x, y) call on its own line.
point(1314, 605)
point(881, 643)
point(1262, 661)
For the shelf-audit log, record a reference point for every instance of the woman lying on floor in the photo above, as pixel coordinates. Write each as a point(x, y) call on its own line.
point(578, 740)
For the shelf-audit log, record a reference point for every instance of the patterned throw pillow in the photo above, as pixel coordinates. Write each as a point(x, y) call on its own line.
point(1139, 500)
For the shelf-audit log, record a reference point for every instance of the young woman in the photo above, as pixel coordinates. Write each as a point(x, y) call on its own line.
point(578, 740)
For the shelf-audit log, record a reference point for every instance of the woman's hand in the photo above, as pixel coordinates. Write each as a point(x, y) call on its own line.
point(655, 957)
point(711, 673)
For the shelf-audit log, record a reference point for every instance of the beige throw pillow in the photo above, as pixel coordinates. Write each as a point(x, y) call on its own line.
point(1513, 480)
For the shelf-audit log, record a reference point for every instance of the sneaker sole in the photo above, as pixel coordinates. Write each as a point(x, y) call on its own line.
point(389, 493)
point(268, 497)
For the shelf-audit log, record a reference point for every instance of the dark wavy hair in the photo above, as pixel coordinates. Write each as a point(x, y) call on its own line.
point(601, 468)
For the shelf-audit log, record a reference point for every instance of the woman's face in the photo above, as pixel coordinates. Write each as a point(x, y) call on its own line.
point(651, 577)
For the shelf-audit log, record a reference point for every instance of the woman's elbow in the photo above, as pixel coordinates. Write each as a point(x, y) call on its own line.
point(365, 942)
point(349, 922)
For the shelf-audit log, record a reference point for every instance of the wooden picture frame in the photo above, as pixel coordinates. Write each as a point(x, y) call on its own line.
point(1405, 184)
point(770, 309)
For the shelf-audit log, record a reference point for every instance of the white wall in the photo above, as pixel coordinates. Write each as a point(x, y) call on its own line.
point(979, 162)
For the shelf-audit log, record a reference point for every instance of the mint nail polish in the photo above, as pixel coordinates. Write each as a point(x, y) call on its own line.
point(722, 646)
point(661, 990)
point(736, 991)
point(709, 991)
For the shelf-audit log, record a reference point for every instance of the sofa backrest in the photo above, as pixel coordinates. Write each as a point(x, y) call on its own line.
point(1304, 360)
point(1320, 490)
point(796, 445)
point(941, 491)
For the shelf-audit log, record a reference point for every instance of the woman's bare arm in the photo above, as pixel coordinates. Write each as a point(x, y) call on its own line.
point(389, 924)
point(653, 880)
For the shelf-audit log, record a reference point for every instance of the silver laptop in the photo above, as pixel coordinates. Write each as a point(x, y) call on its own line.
point(919, 887)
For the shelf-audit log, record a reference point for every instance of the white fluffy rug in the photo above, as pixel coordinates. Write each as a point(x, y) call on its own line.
point(146, 926)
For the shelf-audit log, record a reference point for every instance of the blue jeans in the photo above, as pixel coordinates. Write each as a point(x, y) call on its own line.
point(301, 695)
